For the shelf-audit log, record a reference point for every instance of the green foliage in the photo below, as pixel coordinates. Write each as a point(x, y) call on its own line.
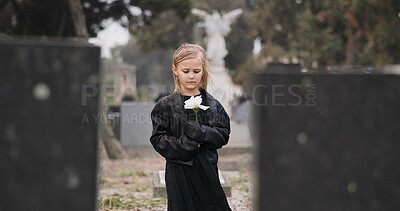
point(118, 201)
point(241, 182)
point(53, 17)
point(131, 173)
point(330, 32)
point(316, 42)
point(182, 7)
point(327, 32)
point(168, 30)
point(240, 44)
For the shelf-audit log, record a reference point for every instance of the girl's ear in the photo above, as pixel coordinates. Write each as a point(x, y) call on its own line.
point(173, 68)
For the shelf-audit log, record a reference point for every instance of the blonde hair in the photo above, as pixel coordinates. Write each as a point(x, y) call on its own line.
point(190, 51)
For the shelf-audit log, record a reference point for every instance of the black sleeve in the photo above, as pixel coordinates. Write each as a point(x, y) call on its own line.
point(216, 136)
point(163, 140)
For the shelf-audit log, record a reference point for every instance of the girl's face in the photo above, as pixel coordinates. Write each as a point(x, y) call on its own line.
point(189, 72)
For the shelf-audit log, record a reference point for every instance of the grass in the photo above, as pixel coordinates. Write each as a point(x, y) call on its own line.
point(241, 182)
point(131, 173)
point(125, 186)
point(141, 187)
point(128, 199)
point(117, 201)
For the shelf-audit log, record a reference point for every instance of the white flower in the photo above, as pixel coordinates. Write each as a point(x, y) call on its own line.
point(194, 103)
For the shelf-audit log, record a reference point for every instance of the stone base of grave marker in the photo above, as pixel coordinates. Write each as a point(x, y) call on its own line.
point(159, 189)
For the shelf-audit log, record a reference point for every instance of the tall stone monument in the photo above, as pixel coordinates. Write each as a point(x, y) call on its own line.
point(217, 27)
point(48, 124)
point(327, 141)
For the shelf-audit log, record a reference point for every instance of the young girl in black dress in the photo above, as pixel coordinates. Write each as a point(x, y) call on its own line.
point(188, 127)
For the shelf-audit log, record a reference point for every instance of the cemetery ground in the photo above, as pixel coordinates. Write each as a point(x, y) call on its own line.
point(127, 184)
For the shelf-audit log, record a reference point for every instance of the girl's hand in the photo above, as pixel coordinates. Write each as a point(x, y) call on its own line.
point(194, 130)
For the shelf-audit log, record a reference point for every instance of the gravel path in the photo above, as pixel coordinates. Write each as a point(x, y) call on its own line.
point(127, 184)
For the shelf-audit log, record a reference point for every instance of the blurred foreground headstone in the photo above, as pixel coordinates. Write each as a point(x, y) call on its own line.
point(48, 125)
point(327, 142)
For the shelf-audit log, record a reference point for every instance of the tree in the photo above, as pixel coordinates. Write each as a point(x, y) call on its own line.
point(170, 29)
point(330, 32)
point(50, 18)
point(83, 19)
point(78, 18)
point(111, 145)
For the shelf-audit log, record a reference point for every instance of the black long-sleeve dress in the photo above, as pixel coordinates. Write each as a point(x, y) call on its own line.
point(191, 171)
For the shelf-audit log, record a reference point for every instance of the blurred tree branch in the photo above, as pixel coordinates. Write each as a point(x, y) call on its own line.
point(111, 144)
point(78, 18)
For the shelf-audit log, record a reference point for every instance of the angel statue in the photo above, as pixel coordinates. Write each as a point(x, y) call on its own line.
point(217, 28)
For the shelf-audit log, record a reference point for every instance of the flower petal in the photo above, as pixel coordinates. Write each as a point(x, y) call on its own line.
point(197, 100)
point(188, 107)
point(190, 101)
point(204, 107)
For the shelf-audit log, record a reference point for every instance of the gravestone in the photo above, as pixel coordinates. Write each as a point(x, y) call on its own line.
point(135, 122)
point(48, 133)
point(327, 141)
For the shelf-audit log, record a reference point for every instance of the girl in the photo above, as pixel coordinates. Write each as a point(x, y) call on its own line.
point(188, 127)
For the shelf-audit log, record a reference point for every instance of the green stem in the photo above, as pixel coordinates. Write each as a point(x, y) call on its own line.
point(196, 110)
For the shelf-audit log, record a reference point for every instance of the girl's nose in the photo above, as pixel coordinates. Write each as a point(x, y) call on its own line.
point(191, 75)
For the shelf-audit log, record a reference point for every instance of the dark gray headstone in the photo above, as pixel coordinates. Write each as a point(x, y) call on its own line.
point(48, 136)
point(327, 142)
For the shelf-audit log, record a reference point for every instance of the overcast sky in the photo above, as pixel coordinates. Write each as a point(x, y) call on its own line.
point(113, 35)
